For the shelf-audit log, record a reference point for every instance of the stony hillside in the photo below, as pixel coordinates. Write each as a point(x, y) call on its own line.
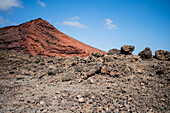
point(38, 37)
point(116, 82)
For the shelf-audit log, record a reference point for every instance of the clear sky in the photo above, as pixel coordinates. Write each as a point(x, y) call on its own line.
point(104, 24)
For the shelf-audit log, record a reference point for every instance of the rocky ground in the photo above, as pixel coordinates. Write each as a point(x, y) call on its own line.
point(99, 83)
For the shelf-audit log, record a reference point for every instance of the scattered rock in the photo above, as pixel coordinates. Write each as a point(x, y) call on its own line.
point(19, 77)
point(114, 73)
point(142, 84)
point(108, 58)
point(16, 104)
point(42, 103)
point(106, 69)
point(52, 70)
point(162, 55)
point(81, 100)
point(90, 81)
point(126, 49)
point(95, 69)
point(1, 91)
point(74, 63)
point(50, 67)
point(44, 111)
point(68, 77)
point(146, 53)
point(160, 69)
point(91, 72)
point(78, 69)
point(57, 92)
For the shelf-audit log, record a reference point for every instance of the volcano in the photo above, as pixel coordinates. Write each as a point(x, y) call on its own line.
point(38, 37)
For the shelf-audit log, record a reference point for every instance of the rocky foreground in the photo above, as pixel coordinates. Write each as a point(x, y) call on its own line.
point(99, 83)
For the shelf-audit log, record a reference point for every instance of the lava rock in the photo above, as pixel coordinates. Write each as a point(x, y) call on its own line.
point(106, 69)
point(91, 72)
point(162, 55)
point(68, 77)
point(114, 73)
point(95, 69)
point(52, 72)
point(78, 69)
point(113, 51)
point(108, 58)
point(146, 53)
point(127, 49)
point(81, 100)
point(160, 70)
point(42, 103)
point(96, 54)
point(90, 81)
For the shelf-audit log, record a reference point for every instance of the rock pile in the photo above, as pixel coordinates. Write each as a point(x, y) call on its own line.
point(99, 83)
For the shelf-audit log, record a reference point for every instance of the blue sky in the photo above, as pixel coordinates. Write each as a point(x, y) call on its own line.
point(104, 24)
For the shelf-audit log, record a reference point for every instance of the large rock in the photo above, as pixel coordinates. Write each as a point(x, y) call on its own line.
point(146, 53)
point(127, 49)
point(113, 51)
point(95, 69)
point(52, 70)
point(162, 55)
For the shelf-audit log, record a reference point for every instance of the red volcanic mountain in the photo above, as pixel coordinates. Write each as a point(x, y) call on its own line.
point(38, 37)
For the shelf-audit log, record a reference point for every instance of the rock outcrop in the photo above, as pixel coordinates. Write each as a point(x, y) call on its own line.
point(162, 55)
point(38, 37)
point(127, 49)
point(146, 53)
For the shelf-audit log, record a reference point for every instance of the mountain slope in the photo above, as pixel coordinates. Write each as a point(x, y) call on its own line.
point(38, 37)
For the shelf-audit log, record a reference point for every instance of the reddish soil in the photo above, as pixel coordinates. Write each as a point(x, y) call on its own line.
point(38, 37)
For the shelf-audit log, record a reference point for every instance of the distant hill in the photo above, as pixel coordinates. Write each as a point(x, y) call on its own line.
point(38, 37)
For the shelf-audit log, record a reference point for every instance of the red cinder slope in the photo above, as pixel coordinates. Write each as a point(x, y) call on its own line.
point(38, 37)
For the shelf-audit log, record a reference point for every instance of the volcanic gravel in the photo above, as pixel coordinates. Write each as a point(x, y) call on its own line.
point(103, 84)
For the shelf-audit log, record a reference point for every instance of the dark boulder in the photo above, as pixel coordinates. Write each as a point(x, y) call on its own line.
point(127, 49)
point(146, 53)
point(113, 51)
point(162, 55)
